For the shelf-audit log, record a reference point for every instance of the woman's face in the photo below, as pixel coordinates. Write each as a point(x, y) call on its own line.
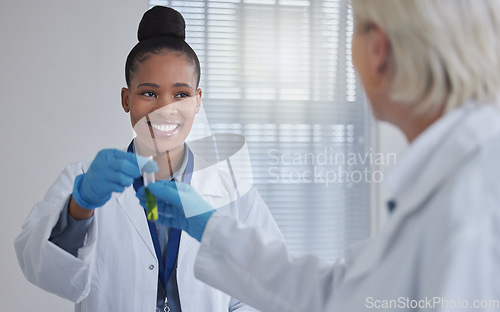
point(162, 100)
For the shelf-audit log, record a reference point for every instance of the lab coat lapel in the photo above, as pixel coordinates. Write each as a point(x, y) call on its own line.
point(467, 137)
point(207, 182)
point(131, 206)
point(194, 295)
point(455, 151)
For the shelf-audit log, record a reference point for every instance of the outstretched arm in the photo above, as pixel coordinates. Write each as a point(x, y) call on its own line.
point(249, 264)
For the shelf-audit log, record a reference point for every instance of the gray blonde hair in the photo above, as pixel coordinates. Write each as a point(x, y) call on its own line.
point(444, 52)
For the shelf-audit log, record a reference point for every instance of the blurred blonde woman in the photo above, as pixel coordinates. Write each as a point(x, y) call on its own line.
point(431, 68)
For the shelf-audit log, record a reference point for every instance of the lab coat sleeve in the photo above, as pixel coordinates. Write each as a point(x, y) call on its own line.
point(44, 263)
point(69, 233)
point(250, 264)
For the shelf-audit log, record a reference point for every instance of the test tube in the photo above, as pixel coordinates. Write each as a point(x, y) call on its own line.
point(152, 207)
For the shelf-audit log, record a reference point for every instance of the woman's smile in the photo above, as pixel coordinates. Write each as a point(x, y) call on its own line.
point(164, 128)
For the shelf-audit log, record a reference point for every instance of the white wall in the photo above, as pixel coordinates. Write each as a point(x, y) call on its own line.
point(62, 68)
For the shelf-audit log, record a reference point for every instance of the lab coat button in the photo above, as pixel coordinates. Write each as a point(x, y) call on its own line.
point(151, 267)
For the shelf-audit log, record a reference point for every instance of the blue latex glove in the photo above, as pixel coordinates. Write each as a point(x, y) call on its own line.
point(111, 171)
point(179, 206)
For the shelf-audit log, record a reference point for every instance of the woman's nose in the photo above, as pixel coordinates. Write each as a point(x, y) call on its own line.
point(165, 107)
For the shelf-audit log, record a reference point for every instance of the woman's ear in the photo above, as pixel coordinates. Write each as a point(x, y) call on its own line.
point(377, 68)
point(125, 103)
point(198, 100)
point(380, 49)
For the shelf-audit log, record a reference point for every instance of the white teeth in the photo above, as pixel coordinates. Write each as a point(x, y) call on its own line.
point(163, 127)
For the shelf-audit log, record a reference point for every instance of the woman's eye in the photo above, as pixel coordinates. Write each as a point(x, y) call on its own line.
point(182, 95)
point(149, 94)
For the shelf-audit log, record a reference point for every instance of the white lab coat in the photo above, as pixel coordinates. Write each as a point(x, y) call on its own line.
point(442, 242)
point(117, 268)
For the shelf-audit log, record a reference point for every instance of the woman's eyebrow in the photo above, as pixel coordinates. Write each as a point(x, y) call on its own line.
point(181, 84)
point(148, 84)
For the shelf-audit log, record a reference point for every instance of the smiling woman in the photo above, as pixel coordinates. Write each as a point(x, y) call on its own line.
point(162, 100)
point(161, 70)
point(89, 240)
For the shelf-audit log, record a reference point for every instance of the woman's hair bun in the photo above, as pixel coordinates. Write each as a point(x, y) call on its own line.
point(161, 21)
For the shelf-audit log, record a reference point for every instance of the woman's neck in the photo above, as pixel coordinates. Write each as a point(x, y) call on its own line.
point(168, 162)
point(415, 125)
point(409, 122)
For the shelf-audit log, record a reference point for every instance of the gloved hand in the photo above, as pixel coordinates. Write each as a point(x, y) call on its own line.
point(179, 206)
point(111, 171)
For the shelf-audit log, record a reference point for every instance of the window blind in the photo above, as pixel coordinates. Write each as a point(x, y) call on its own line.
point(279, 73)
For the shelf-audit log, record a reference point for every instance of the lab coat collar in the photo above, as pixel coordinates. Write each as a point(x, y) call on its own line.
point(206, 179)
point(421, 150)
point(440, 151)
point(432, 159)
point(179, 173)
